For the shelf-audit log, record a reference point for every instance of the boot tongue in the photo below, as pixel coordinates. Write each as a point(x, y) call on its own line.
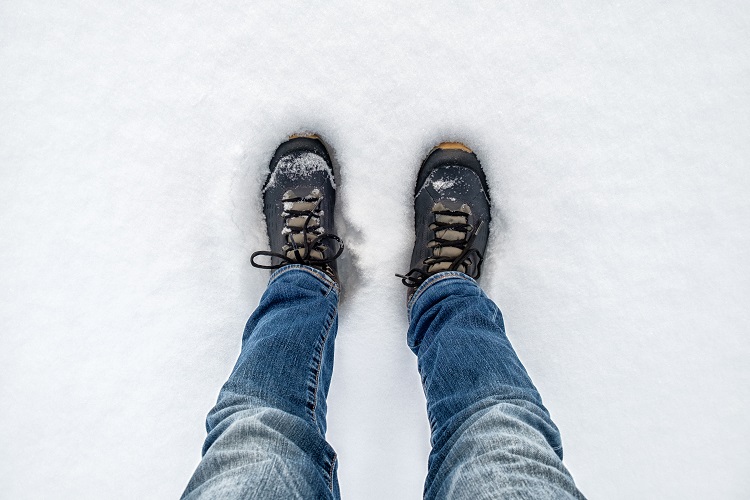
point(445, 266)
point(450, 235)
point(299, 205)
point(302, 204)
point(315, 254)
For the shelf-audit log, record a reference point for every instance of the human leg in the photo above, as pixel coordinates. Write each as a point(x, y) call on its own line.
point(266, 434)
point(491, 435)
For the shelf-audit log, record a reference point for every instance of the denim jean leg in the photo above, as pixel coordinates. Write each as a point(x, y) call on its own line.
point(491, 435)
point(266, 434)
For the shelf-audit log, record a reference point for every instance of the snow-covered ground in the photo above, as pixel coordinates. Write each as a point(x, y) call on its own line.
point(133, 139)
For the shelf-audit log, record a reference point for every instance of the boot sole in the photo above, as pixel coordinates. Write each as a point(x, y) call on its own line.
point(452, 145)
point(305, 136)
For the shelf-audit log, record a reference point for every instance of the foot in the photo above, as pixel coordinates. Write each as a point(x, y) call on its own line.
point(452, 215)
point(298, 201)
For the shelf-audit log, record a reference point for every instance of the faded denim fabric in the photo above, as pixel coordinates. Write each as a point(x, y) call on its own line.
point(491, 435)
point(266, 434)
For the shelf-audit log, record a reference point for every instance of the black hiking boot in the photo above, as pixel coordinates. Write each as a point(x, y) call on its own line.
point(451, 213)
point(298, 200)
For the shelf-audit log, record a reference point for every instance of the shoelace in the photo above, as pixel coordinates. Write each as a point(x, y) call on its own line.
point(304, 234)
point(452, 246)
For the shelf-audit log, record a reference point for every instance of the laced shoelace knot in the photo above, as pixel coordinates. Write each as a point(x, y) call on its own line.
point(305, 237)
point(452, 246)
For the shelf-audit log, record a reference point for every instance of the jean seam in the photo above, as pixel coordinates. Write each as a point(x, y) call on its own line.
point(331, 288)
point(320, 363)
point(320, 275)
point(330, 472)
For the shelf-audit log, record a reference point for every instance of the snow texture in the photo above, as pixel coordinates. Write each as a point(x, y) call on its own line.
point(294, 166)
point(441, 185)
point(134, 140)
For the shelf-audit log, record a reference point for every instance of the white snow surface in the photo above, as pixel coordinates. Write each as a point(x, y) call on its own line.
point(134, 138)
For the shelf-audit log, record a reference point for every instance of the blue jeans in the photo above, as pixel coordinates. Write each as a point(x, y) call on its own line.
point(491, 435)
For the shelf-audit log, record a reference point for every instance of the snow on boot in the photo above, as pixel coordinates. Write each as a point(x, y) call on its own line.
point(452, 215)
point(299, 196)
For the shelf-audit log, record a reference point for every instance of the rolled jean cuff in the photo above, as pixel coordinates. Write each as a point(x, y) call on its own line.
point(435, 278)
point(317, 273)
